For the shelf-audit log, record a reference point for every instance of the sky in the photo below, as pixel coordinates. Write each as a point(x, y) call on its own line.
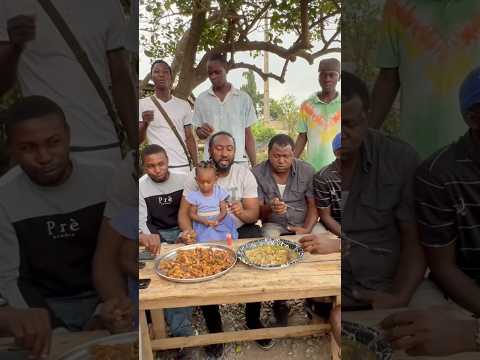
point(301, 79)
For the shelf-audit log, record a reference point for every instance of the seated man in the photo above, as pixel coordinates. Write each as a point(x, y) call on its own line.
point(160, 193)
point(447, 194)
point(327, 187)
point(285, 190)
point(47, 243)
point(240, 184)
point(383, 262)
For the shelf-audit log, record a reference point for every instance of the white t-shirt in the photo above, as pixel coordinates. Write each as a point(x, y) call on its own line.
point(239, 184)
point(281, 188)
point(160, 133)
point(48, 67)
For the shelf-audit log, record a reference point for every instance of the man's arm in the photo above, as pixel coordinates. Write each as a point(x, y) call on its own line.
point(384, 93)
point(250, 147)
point(9, 58)
point(412, 264)
point(184, 221)
point(265, 211)
point(330, 223)
point(124, 94)
point(107, 273)
point(191, 144)
point(462, 289)
point(250, 212)
point(311, 218)
point(300, 144)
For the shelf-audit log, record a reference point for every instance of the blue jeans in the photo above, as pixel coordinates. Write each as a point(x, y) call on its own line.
point(74, 311)
point(179, 320)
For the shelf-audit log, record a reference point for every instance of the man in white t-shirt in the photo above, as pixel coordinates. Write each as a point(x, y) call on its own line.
point(155, 129)
point(34, 52)
point(224, 108)
point(244, 207)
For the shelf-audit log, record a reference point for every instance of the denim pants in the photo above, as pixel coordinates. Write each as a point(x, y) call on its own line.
point(179, 320)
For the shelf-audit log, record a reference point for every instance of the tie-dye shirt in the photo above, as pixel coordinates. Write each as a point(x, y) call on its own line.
point(321, 122)
point(434, 44)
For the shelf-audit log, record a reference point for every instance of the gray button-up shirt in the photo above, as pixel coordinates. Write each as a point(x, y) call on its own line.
point(299, 187)
point(380, 198)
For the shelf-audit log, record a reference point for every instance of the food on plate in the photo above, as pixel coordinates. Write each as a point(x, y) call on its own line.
point(197, 263)
point(271, 255)
point(353, 350)
point(127, 351)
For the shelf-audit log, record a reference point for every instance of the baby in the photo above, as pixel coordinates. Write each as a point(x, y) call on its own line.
point(208, 206)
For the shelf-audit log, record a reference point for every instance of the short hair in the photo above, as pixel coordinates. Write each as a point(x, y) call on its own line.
point(332, 61)
point(161, 62)
point(281, 140)
point(202, 165)
point(31, 107)
point(353, 86)
point(152, 149)
point(217, 134)
point(220, 57)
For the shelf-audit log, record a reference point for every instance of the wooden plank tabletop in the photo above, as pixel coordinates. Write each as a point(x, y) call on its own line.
point(315, 276)
point(374, 317)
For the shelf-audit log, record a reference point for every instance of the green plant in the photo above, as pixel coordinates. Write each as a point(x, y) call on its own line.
point(263, 133)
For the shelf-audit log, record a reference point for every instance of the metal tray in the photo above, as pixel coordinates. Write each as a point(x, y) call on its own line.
point(293, 246)
point(172, 255)
point(82, 352)
point(369, 337)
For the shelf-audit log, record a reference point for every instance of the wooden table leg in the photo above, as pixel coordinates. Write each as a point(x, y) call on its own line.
point(158, 322)
point(335, 347)
point(146, 351)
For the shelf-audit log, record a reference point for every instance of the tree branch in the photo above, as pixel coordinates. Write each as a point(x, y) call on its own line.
point(259, 71)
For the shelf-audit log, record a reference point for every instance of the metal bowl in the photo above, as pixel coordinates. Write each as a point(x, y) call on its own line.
point(369, 337)
point(291, 245)
point(82, 352)
point(171, 255)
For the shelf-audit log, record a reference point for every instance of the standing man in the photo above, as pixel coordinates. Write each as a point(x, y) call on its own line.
point(225, 108)
point(320, 117)
point(154, 127)
point(34, 52)
point(427, 47)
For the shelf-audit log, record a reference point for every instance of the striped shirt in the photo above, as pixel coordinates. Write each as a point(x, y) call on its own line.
point(327, 188)
point(447, 196)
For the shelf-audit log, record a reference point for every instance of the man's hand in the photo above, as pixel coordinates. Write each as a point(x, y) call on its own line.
point(188, 237)
point(379, 299)
point(31, 329)
point(147, 117)
point(151, 242)
point(21, 29)
point(298, 230)
point(205, 131)
point(434, 333)
point(278, 206)
point(117, 315)
point(320, 244)
point(236, 208)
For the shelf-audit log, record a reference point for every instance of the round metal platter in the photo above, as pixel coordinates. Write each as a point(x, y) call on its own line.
point(82, 352)
point(368, 337)
point(292, 246)
point(171, 255)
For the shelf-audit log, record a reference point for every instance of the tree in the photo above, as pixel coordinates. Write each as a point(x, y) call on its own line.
point(188, 31)
point(288, 114)
point(251, 89)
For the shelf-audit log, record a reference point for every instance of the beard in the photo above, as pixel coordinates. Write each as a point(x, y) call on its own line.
point(221, 166)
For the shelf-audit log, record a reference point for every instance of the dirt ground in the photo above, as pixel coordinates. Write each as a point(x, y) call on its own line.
point(314, 347)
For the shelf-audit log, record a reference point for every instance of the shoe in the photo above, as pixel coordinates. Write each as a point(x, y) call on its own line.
point(281, 311)
point(214, 351)
point(264, 344)
point(184, 354)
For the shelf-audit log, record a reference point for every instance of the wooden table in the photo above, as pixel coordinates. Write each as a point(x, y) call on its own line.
point(374, 317)
point(315, 276)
